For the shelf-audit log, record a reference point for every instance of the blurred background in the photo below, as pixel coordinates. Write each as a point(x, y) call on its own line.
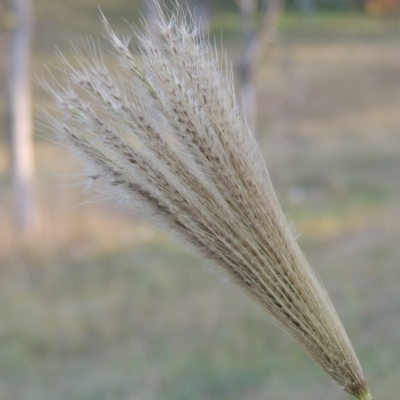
point(95, 306)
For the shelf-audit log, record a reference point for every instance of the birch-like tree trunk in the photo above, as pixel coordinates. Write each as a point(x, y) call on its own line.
point(248, 10)
point(256, 40)
point(20, 114)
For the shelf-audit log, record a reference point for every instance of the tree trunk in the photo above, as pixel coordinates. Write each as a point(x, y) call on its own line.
point(248, 9)
point(255, 44)
point(272, 10)
point(20, 113)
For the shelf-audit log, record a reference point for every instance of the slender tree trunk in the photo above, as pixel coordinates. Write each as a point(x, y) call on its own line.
point(255, 43)
point(20, 113)
point(272, 10)
point(248, 9)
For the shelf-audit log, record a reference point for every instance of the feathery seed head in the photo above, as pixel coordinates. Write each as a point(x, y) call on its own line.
point(166, 133)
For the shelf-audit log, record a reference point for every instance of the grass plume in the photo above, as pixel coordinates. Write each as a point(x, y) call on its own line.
point(165, 133)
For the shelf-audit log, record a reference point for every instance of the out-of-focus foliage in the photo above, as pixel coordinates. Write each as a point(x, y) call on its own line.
point(382, 7)
point(369, 6)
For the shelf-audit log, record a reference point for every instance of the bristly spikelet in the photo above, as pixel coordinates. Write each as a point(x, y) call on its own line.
point(166, 133)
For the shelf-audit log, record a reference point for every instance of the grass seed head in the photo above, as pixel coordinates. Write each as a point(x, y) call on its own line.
point(164, 131)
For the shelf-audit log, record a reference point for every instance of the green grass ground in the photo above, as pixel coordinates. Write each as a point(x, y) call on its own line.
point(99, 308)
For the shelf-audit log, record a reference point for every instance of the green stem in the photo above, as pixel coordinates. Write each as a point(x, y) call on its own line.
point(365, 396)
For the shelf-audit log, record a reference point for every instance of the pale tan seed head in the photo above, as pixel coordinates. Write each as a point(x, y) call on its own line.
point(165, 132)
